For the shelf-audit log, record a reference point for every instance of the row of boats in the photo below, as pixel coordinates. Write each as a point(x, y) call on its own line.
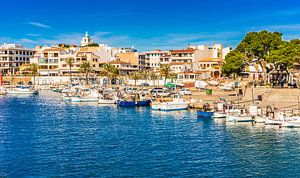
point(223, 110)
point(121, 98)
point(254, 114)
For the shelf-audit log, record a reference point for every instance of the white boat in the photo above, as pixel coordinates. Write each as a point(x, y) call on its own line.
point(2, 91)
point(280, 118)
point(239, 115)
point(22, 90)
point(219, 115)
point(259, 119)
point(107, 101)
point(293, 123)
point(86, 95)
point(177, 104)
point(239, 118)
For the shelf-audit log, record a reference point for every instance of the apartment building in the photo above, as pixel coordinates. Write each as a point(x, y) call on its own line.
point(153, 59)
point(12, 56)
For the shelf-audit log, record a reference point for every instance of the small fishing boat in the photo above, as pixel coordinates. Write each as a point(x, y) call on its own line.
point(293, 123)
point(143, 102)
point(124, 103)
point(22, 90)
point(107, 101)
point(86, 95)
point(110, 98)
point(205, 112)
point(239, 115)
point(177, 104)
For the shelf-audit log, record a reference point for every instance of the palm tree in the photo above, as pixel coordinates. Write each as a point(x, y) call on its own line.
point(165, 71)
point(34, 71)
point(86, 68)
point(69, 62)
point(110, 71)
point(145, 75)
point(153, 77)
point(135, 76)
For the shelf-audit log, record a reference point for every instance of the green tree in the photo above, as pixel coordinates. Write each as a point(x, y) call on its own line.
point(34, 69)
point(110, 71)
point(70, 62)
point(259, 45)
point(86, 68)
point(153, 77)
point(165, 70)
point(233, 63)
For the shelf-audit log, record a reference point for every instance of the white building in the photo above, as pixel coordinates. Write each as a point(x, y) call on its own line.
point(12, 56)
point(153, 58)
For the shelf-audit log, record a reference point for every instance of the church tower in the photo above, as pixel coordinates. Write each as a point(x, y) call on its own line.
point(86, 40)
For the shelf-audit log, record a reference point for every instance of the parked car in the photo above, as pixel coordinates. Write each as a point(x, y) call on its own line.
point(185, 91)
point(160, 92)
point(145, 85)
point(131, 90)
point(144, 90)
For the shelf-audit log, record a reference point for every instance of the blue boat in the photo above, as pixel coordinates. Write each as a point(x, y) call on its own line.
point(123, 103)
point(205, 114)
point(143, 103)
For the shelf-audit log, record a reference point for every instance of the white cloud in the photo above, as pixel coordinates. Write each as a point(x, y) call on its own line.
point(32, 34)
point(38, 24)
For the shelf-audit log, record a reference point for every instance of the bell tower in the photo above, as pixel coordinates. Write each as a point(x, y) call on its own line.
point(86, 40)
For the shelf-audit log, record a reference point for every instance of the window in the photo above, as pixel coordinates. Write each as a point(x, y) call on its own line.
point(17, 52)
point(17, 58)
point(55, 54)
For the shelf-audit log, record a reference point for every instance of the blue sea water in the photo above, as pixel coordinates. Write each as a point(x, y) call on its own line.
point(44, 136)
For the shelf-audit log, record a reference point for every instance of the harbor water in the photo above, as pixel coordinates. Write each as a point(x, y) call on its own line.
point(43, 136)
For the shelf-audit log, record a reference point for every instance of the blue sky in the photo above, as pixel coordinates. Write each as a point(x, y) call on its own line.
point(145, 24)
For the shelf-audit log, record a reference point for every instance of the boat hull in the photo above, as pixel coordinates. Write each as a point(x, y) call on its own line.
point(219, 115)
point(103, 101)
point(204, 114)
point(168, 106)
point(78, 99)
point(126, 104)
point(239, 118)
point(143, 103)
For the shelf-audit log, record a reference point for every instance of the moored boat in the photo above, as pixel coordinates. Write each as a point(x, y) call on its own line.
point(177, 104)
point(22, 90)
point(124, 103)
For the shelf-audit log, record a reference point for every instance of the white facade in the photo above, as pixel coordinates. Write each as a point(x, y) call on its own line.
point(225, 51)
point(12, 56)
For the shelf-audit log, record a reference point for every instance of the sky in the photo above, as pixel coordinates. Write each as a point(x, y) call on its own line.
point(145, 24)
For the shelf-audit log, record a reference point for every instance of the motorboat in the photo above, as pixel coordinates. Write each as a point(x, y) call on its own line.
point(86, 95)
point(205, 112)
point(239, 115)
point(22, 90)
point(294, 123)
point(108, 99)
point(177, 104)
point(135, 100)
